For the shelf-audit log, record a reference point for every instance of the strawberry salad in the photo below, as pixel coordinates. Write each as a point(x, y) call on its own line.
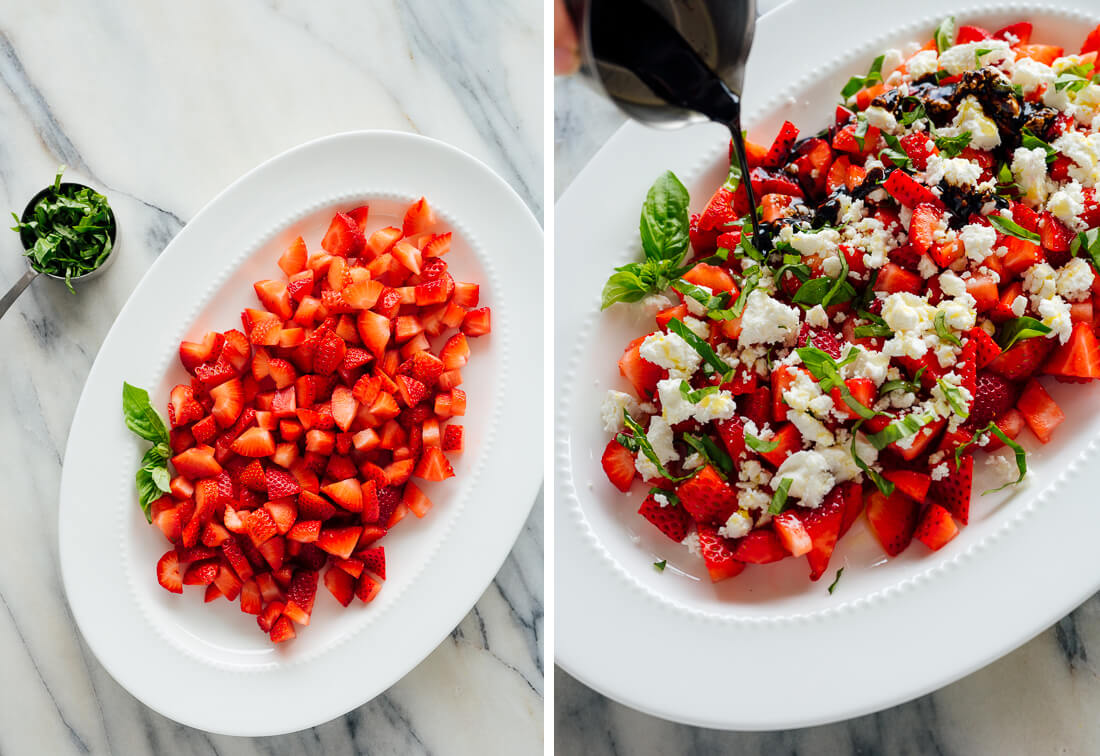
point(299, 440)
point(926, 264)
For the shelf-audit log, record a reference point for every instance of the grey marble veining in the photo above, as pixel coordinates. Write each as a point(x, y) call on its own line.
point(161, 105)
point(1040, 699)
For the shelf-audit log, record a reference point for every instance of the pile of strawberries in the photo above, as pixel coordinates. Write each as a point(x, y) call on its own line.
point(297, 439)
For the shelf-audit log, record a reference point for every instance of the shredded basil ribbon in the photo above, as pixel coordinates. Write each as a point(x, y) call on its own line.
point(640, 442)
point(703, 348)
point(779, 500)
point(899, 429)
point(1021, 455)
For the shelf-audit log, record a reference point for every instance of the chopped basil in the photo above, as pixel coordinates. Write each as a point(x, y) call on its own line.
point(152, 477)
point(902, 385)
point(1090, 242)
point(954, 398)
point(952, 146)
point(640, 442)
point(860, 132)
point(710, 451)
point(877, 328)
point(673, 499)
point(910, 117)
point(823, 367)
point(832, 586)
point(695, 396)
point(709, 301)
point(70, 231)
point(946, 33)
point(899, 429)
point(883, 485)
point(816, 291)
point(1021, 455)
point(759, 445)
point(895, 152)
point(1032, 142)
point(703, 348)
point(1011, 228)
point(779, 500)
point(660, 566)
point(1021, 328)
point(942, 330)
point(856, 83)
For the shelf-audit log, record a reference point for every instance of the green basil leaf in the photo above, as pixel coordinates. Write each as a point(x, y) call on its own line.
point(1021, 457)
point(818, 290)
point(883, 485)
point(1011, 228)
point(625, 286)
point(899, 429)
point(640, 442)
point(861, 129)
point(952, 146)
point(708, 450)
point(954, 398)
point(832, 585)
point(1021, 328)
point(664, 221)
point(943, 332)
point(695, 396)
point(1032, 142)
point(779, 500)
point(660, 566)
point(946, 33)
point(703, 348)
point(673, 499)
point(140, 416)
point(760, 446)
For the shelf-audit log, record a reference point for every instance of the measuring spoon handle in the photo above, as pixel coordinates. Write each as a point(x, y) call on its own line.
point(16, 290)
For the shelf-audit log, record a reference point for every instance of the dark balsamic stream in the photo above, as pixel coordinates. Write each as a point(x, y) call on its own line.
point(632, 35)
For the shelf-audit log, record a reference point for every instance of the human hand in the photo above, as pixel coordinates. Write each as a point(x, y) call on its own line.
point(567, 57)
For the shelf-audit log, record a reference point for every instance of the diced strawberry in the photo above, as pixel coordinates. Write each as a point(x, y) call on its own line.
point(792, 533)
point(366, 588)
point(925, 222)
point(760, 546)
point(433, 465)
point(228, 582)
point(193, 354)
point(953, 492)
point(987, 349)
point(892, 519)
point(671, 520)
point(717, 554)
point(1023, 359)
point(1078, 358)
point(1042, 414)
point(916, 147)
point(418, 218)
point(340, 584)
point(706, 497)
point(476, 322)
point(282, 630)
point(339, 542)
point(618, 464)
point(910, 482)
point(787, 441)
point(908, 192)
point(893, 278)
point(993, 395)
point(1043, 53)
point(1018, 33)
point(936, 527)
point(344, 238)
point(196, 462)
point(254, 442)
point(823, 525)
point(168, 572)
point(346, 493)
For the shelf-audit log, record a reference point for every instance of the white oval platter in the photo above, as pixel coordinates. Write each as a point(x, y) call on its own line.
point(209, 666)
point(770, 649)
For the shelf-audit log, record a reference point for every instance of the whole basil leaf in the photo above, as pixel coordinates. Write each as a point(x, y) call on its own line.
point(624, 285)
point(140, 416)
point(664, 222)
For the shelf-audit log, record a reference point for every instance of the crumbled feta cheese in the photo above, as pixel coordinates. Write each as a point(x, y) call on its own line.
point(881, 118)
point(951, 284)
point(1030, 169)
point(965, 57)
point(1004, 469)
point(693, 461)
point(691, 540)
point(675, 407)
point(767, 321)
point(1084, 151)
point(662, 500)
point(660, 438)
point(1041, 281)
point(1075, 280)
point(695, 307)
point(984, 134)
point(832, 266)
point(1067, 204)
point(817, 317)
point(820, 243)
point(696, 326)
point(927, 267)
point(810, 477)
point(751, 471)
point(671, 352)
point(1031, 74)
point(611, 411)
point(955, 171)
point(978, 241)
point(654, 303)
point(940, 471)
point(923, 63)
point(1055, 314)
point(868, 364)
point(1019, 306)
point(738, 525)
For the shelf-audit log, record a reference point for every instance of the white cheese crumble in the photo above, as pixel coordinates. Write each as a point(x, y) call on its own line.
point(956, 171)
point(675, 408)
point(1030, 169)
point(671, 352)
point(1075, 280)
point(611, 411)
point(965, 57)
point(1084, 151)
point(923, 63)
point(978, 241)
point(767, 321)
point(984, 134)
point(811, 478)
point(1067, 204)
point(738, 525)
point(660, 438)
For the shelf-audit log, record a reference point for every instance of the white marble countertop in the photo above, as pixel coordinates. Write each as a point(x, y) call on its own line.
point(1040, 699)
point(161, 105)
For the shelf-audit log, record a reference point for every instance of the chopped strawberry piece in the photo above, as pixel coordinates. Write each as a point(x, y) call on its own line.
point(717, 555)
point(1040, 412)
point(168, 572)
point(671, 520)
point(706, 497)
point(892, 519)
point(936, 527)
point(953, 492)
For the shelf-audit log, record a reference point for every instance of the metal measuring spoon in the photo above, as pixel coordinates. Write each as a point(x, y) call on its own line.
point(28, 241)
